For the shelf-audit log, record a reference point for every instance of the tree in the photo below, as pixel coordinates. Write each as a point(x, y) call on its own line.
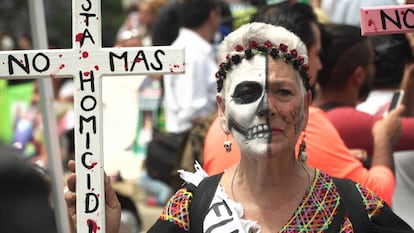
point(14, 20)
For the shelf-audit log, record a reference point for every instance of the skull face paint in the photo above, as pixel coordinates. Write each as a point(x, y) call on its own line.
point(264, 105)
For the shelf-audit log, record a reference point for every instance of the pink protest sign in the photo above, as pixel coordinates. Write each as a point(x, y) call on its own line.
point(87, 62)
point(387, 19)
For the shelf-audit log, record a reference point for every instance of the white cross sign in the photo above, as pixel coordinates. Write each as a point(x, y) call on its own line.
point(87, 62)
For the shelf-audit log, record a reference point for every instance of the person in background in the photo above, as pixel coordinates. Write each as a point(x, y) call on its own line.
point(24, 42)
point(147, 13)
point(191, 24)
point(129, 28)
point(347, 11)
point(394, 69)
point(166, 28)
point(190, 96)
point(166, 25)
point(263, 101)
point(162, 23)
point(24, 199)
point(326, 149)
point(346, 79)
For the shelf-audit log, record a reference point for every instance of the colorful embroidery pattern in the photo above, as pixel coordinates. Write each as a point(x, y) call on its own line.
point(177, 208)
point(315, 213)
point(321, 203)
point(372, 202)
point(347, 226)
point(317, 209)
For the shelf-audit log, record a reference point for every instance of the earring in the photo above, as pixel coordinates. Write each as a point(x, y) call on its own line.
point(227, 145)
point(303, 156)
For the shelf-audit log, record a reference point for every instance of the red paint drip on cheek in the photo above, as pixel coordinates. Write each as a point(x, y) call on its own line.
point(92, 165)
point(92, 225)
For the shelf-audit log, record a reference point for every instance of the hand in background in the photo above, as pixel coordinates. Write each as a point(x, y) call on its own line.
point(360, 154)
point(390, 126)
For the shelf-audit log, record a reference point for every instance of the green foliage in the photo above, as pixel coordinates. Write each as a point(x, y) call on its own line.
point(112, 18)
point(14, 20)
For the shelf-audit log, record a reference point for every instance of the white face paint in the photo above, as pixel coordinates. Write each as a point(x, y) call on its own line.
point(248, 96)
point(257, 127)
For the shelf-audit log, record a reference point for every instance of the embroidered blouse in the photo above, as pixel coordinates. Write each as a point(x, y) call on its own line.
point(315, 213)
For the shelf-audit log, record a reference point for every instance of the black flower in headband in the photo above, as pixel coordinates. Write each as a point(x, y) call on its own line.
point(266, 49)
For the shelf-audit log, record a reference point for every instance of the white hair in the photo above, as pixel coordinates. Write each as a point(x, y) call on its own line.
point(260, 33)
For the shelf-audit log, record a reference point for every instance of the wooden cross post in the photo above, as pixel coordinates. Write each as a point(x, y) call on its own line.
point(87, 62)
point(387, 19)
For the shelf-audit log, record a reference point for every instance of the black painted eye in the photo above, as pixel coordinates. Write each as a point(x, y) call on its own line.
point(247, 92)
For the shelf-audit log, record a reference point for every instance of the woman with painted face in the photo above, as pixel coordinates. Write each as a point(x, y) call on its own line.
point(326, 150)
point(263, 102)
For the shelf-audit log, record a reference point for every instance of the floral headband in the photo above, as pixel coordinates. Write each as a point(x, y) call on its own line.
point(266, 49)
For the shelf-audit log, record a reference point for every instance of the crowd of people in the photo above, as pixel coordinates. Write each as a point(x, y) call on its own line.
point(283, 107)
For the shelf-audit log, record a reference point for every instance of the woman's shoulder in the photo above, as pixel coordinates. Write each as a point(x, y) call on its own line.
point(191, 181)
point(177, 209)
point(371, 201)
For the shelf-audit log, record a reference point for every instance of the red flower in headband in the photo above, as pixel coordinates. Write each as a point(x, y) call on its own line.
point(283, 47)
point(294, 53)
point(267, 44)
point(301, 59)
point(253, 44)
point(266, 49)
point(239, 48)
